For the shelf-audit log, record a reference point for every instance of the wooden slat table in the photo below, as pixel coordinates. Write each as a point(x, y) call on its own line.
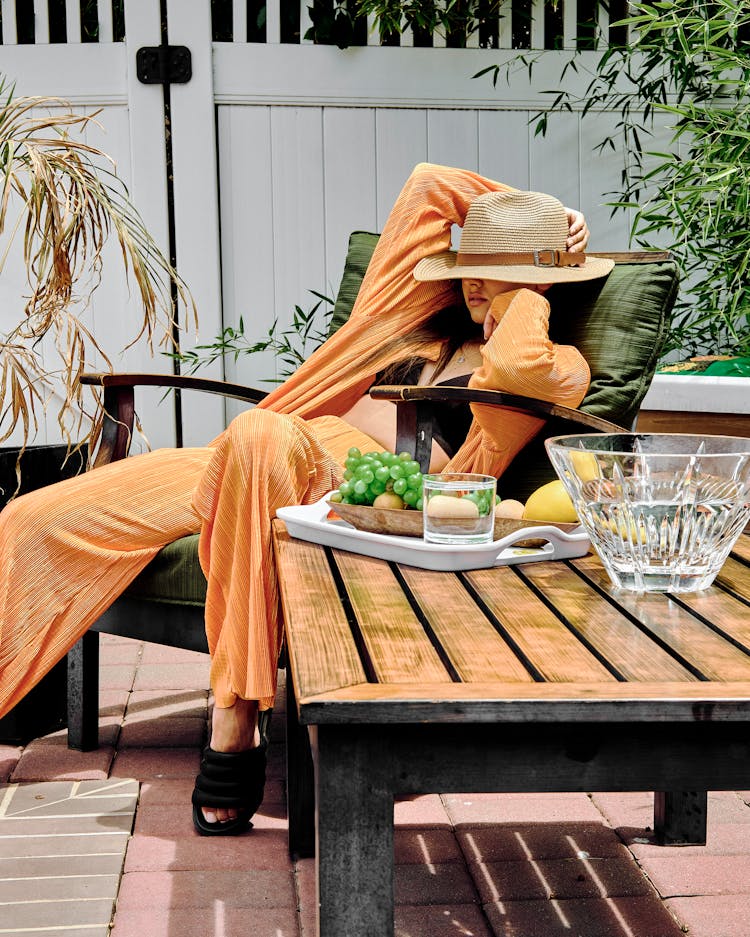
point(531, 678)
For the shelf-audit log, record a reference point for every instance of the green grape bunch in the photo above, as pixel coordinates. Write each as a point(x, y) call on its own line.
point(380, 479)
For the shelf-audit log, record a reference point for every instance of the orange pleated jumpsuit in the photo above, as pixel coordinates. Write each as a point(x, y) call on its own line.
point(70, 549)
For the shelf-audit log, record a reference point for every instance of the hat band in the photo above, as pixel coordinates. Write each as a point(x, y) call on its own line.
point(544, 257)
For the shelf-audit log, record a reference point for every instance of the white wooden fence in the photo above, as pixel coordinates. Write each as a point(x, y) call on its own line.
point(280, 149)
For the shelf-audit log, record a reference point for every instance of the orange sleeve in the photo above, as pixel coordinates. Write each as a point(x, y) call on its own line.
point(433, 199)
point(518, 358)
point(390, 301)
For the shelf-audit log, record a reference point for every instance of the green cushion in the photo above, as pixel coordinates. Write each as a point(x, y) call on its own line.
point(174, 575)
point(361, 247)
point(618, 324)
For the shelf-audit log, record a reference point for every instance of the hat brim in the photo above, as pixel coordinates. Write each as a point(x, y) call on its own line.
point(444, 267)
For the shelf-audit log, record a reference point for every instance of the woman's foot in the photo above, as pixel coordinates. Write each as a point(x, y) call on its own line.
point(234, 730)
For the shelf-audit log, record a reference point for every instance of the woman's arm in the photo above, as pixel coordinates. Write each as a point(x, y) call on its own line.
point(520, 358)
point(391, 303)
point(433, 199)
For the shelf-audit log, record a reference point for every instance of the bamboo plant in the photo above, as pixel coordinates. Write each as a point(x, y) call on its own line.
point(62, 199)
point(685, 67)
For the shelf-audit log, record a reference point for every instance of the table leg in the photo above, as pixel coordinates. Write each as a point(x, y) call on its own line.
point(300, 780)
point(680, 817)
point(354, 833)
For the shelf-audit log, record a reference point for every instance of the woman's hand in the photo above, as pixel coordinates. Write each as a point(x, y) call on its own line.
point(489, 325)
point(578, 232)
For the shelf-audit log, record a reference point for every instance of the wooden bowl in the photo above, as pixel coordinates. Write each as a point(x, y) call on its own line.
point(408, 523)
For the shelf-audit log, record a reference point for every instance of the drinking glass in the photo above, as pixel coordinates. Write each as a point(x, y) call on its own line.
point(458, 507)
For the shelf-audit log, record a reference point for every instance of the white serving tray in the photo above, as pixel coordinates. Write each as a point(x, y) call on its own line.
point(310, 522)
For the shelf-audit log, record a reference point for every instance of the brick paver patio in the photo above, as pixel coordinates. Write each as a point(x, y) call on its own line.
point(488, 865)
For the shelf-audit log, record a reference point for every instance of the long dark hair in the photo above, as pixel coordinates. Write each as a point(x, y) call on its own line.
point(452, 326)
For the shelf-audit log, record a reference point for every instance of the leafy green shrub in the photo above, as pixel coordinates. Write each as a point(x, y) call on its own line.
point(686, 62)
point(291, 346)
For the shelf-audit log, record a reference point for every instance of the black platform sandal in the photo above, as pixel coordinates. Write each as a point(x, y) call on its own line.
point(229, 780)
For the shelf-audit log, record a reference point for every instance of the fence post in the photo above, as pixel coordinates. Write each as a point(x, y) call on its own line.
point(148, 187)
point(196, 200)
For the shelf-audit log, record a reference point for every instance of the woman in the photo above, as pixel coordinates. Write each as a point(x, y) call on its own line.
point(69, 550)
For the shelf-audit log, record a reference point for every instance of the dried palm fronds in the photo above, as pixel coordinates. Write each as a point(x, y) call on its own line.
point(63, 198)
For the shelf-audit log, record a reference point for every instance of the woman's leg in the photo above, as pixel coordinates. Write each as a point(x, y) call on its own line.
point(70, 549)
point(264, 461)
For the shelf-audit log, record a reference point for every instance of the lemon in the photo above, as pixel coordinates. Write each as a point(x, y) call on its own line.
point(585, 465)
point(625, 531)
point(551, 502)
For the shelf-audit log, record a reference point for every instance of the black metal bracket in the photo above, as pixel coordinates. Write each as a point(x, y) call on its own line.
point(163, 65)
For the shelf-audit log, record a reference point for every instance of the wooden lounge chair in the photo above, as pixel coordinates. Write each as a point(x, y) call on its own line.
point(618, 325)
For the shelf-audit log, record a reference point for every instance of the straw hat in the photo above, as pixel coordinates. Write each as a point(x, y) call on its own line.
point(518, 237)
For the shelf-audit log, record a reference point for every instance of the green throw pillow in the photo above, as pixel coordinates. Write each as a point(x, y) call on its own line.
point(361, 247)
point(618, 324)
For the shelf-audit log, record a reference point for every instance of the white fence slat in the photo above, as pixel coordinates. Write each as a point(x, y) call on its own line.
point(537, 24)
point(116, 310)
point(602, 16)
point(381, 77)
point(246, 169)
point(599, 175)
point(554, 161)
point(113, 312)
point(273, 22)
point(373, 33)
point(41, 22)
point(106, 26)
point(452, 138)
point(661, 140)
point(91, 74)
point(239, 20)
point(400, 143)
point(349, 182)
point(14, 293)
point(146, 113)
point(10, 35)
point(570, 23)
point(298, 207)
point(505, 25)
point(73, 19)
point(196, 201)
point(504, 147)
point(304, 21)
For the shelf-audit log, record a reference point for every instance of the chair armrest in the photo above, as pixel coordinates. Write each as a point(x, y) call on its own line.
point(119, 404)
point(226, 389)
point(414, 418)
